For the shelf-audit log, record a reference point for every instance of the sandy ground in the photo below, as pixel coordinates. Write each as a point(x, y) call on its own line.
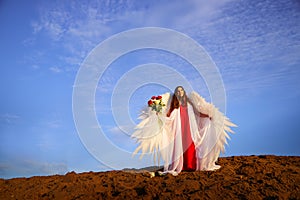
point(241, 177)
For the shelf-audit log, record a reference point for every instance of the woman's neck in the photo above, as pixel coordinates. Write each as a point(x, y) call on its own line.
point(182, 102)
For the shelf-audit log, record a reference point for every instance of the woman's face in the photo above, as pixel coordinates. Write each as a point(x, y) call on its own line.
point(180, 92)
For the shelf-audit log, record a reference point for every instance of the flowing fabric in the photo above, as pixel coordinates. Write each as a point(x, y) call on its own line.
point(189, 151)
point(185, 140)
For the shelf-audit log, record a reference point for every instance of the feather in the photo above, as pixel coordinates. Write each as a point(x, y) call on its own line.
point(148, 132)
point(154, 137)
point(220, 127)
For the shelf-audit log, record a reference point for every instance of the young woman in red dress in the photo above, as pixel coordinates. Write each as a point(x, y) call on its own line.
point(188, 134)
point(180, 100)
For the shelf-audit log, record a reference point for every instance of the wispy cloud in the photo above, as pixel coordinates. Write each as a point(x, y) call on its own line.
point(55, 69)
point(234, 32)
point(79, 27)
point(255, 46)
point(54, 124)
point(9, 118)
point(76, 27)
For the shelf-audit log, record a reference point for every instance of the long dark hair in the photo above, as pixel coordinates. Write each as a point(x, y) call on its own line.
point(175, 100)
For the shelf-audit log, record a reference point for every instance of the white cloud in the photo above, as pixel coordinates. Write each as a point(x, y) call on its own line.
point(237, 37)
point(79, 27)
point(54, 124)
point(243, 38)
point(35, 67)
point(55, 69)
point(9, 118)
point(82, 26)
point(253, 52)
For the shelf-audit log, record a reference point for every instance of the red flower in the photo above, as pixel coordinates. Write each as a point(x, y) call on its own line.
point(150, 102)
point(153, 97)
point(158, 97)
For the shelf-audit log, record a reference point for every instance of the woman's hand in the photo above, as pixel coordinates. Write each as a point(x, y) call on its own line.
point(206, 116)
point(203, 115)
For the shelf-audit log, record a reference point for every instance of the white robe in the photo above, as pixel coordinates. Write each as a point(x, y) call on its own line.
point(162, 135)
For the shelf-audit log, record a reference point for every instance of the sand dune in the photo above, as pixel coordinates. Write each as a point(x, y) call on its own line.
point(241, 177)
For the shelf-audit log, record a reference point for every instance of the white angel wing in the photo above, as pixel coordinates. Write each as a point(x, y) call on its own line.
point(215, 136)
point(149, 131)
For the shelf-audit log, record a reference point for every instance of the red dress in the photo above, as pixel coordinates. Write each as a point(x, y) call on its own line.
point(189, 155)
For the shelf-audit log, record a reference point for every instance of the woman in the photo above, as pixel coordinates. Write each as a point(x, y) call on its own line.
point(188, 134)
point(180, 101)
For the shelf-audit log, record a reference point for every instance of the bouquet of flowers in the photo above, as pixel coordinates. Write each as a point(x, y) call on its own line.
point(156, 103)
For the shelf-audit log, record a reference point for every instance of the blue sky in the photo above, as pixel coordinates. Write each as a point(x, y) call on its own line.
point(255, 45)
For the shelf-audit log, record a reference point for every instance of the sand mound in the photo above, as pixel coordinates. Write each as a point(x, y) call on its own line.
point(241, 177)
